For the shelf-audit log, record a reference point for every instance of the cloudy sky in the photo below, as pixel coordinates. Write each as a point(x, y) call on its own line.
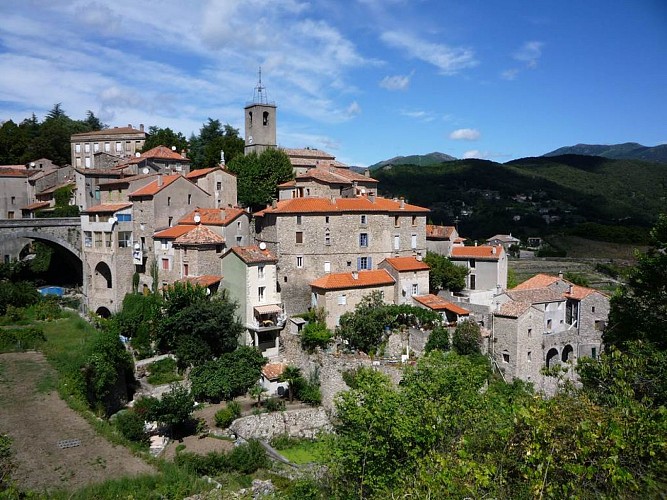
point(363, 79)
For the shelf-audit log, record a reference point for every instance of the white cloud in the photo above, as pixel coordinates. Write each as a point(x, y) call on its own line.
point(529, 53)
point(474, 153)
point(395, 82)
point(448, 60)
point(426, 116)
point(465, 134)
point(509, 74)
point(353, 109)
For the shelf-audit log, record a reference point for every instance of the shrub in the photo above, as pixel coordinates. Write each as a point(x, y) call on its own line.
point(163, 371)
point(467, 338)
point(20, 339)
point(439, 339)
point(47, 310)
point(14, 314)
point(350, 377)
point(131, 425)
point(147, 408)
point(247, 458)
point(315, 335)
point(225, 416)
point(274, 404)
point(6, 461)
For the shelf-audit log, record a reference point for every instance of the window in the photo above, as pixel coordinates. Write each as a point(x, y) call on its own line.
point(189, 199)
point(528, 356)
point(549, 324)
point(414, 220)
point(299, 219)
point(218, 186)
point(186, 269)
point(260, 293)
point(599, 325)
point(107, 239)
point(364, 263)
point(593, 309)
point(506, 357)
point(397, 242)
point(164, 244)
point(326, 219)
point(168, 201)
point(107, 147)
point(86, 147)
point(124, 239)
point(413, 241)
point(260, 272)
point(10, 214)
point(124, 217)
point(397, 221)
point(327, 267)
point(299, 262)
point(96, 147)
point(169, 221)
point(299, 236)
point(238, 225)
point(78, 162)
point(165, 264)
point(265, 118)
point(363, 239)
point(98, 239)
point(415, 289)
point(239, 240)
point(530, 333)
point(87, 162)
point(473, 281)
point(594, 353)
point(77, 148)
point(13, 200)
point(88, 239)
point(119, 147)
point(364, 219)
point(342, 300)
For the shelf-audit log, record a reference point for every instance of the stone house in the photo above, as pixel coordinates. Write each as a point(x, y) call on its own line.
point(324, 182)
point(270, 379)
point(250, 280)
point(231, 223)
point(451, 313)
point(506, 240)
point(410, 275)
point(219, 182)
point(339, 293)
point(303, 159)
point(159, 159)
point(441, 239)
point(487, 271)
point(313, 237)
point(122, 142)
point(14, 193)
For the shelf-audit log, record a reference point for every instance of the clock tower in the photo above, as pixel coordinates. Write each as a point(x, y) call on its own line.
point(260, 121)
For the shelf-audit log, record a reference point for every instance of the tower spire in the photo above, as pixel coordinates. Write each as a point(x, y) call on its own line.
point(259, 96)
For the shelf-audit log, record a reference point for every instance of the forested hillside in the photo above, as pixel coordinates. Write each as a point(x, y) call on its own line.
point(535, 195)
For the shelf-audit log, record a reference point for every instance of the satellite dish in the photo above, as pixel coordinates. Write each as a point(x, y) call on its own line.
point(173, 148)
point(112, 220)
point(145, 170)
point(137, 246)
point(250, 139)
point(262, 245)
point(137, 154)
point(197, 218)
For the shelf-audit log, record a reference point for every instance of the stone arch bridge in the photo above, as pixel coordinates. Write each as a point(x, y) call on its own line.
point(63, 231)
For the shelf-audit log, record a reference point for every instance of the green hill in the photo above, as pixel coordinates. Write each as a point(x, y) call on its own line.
point(533, 196)
point(420, 160)
point(625, 151)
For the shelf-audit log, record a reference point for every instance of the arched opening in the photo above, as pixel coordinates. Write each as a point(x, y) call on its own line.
point(265, 118)
point(103, 312)
point(102, 278)
point(552, 357)
point(568, 354)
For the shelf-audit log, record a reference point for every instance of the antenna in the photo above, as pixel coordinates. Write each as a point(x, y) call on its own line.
point(260, 96)
point(222, 157)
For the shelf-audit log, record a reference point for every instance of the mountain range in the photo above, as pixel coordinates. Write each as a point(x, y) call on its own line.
point(625, 151)
point(421, 160)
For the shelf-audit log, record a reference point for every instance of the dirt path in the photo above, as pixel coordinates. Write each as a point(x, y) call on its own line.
point(37, 419)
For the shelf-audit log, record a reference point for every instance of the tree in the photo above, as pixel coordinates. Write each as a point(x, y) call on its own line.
point(93, 122)
point(444, 274)
point(164, 137)
point(467, 338)
point(258, 176)
point(364, 328)
point(212, 139)
point(639, 310)
point(256, 391)
point(315, 334)
point(176, 407)
point(291, 374)
point(438, 339)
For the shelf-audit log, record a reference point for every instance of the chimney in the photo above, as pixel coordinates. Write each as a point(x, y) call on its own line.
point(141, 127)
point(274, 203)
point(367, 173)
point(129, 125)
point(402, 205)
point(493, 250)
point(159, 180)
point(560, 275)
point(570, 288)
point(371, 196)
point(333, 200)
point(184, 154)
point(355, 275)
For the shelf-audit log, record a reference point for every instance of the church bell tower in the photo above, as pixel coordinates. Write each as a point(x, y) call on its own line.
point(260, 121)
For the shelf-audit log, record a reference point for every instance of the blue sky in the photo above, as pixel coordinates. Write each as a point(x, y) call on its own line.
point(365, 80)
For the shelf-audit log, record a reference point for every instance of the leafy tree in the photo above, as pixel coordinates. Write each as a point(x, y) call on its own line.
point(577, 279)
point(228, 376)
point(639, 310)
point(444, 274)
point(438, 339)
point(17, 294)
point(314, 335)
point(256, 391)
point(364, 328)
point(164, 137)
point(467, 338)
point(93, 122)
point(176, 407)
point(181, 295)
point(291, 374)
point(259, 176)
point(214, 137)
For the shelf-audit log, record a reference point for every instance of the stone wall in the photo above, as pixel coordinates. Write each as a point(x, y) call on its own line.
point(305, 423)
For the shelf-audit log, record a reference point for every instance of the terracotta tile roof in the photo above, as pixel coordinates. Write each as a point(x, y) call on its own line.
point(253, 254)
point(437, 303)
point(287, 184)
point(538, 281)
point(173, 232)
point(483, 252)
point(213, 216)
point(340, 205)
point(308, 153)
point(579, 292)
point(125, 180)
point(403, 264)
point(334, 175)
point(54, 188)
point(273, 371)
point(15, 171)
point(439, 232)
point(342, 281)
point(535, 295)
point(163, 153)
point(200, 235)
point(153, 188)
point(206, 280)
point(107, 208)
point(110, 131)
point(36, 206)
point(513, 309)
point(200, 172)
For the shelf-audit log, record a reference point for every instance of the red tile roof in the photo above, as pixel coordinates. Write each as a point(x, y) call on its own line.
point(287, 184)
point(439, 232)
point(535, 295)
point(253, 254)
point(154, 187)
point(15, 171)
point(54, 188)
point(437, 303)
point(342, 281)
point(125, 180)
point(273, 371)
point(538, 281)
point(107, 208)
point(36, 206)
point(483, 252)
point(579, 292)
point(403, 264)
point(206, 280)
point(200, 172)
point(200, 235)
point(163, 153)
point(340, 205)
point(334, 175)
point(213, 216)
point(173, 232)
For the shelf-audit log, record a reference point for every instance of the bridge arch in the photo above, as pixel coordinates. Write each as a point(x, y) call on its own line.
point(42, 236)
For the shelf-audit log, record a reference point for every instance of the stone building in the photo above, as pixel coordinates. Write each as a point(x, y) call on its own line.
point(121, 142)
point(441, 239)
point(339, 293)
point(506, 240)
point(219, 182)
point(323, 182)
point(14, 193)
point(487, 271)
point(316, 236)
point(543, 322)
point(250, 280)
point(410, 275)
point(159, 159)
point(450, 312)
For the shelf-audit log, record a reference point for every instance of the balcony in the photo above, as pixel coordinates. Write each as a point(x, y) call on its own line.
point(267, 318)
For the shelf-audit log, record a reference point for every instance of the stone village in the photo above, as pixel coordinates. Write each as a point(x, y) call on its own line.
point(327, 241)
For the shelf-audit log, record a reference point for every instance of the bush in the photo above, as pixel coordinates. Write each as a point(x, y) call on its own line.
point(47, 310)
point(163, 371)
point(6, 461)
point(274, 404)
point(248, 457)
point(467, 338)
point(131, 425)
point(147, 408)
point(438, 339)
point(20, 339)
point(315, 335)
point(225, 416)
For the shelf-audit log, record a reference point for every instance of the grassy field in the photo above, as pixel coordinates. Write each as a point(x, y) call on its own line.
point(303, 451)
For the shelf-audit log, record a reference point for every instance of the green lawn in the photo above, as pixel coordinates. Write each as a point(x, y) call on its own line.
point(304, 452)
